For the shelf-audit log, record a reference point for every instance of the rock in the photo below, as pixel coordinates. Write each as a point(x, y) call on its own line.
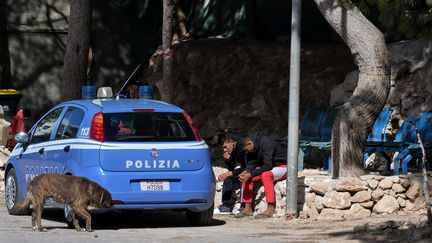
point(337, 200)
point(379, 226)
point(331, 214)
point(402, 195)
point(310, 200)
point(349, 184)
point(318, 188)
point(407, 225)
point(303, 215)
point(413, 191)
point(356, 212)
point(398, 188)
point(367, 205)
point(387, 183)
point(422, 220)
point(405, 182)
point(401, 201)
point(419, 203)
point(387, 204)
point(362, 196)
point(312, 213)
point(395, 179)
point(319, 203)
point(377, 194)
point(367, 177)
point(281, 186)
point(379, 177)
point(373, 184)
point(409, 206)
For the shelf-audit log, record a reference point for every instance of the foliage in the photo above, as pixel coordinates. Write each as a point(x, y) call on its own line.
point(399, 19)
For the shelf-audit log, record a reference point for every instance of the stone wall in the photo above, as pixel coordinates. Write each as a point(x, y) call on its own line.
point(323, 198)
point(251, 93)
point(411, 77)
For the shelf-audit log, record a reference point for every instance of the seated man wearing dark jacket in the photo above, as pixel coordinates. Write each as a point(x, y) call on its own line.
point(269, 166)
point(235, 160)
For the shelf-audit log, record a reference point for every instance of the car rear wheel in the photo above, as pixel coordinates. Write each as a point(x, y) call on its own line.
point(13, 195)
point(68, 213)
point(200, 218)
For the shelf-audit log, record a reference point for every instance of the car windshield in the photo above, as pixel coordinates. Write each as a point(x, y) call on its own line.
point(146, 126)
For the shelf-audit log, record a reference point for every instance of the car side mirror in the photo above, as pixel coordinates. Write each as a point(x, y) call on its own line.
point(22, 138)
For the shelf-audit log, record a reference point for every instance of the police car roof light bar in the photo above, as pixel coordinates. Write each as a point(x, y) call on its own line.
point(127, 81)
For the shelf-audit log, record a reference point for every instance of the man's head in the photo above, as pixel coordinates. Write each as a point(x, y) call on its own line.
point(249, 145)
point(229, 142)
point(134, 89)
point(228, 147)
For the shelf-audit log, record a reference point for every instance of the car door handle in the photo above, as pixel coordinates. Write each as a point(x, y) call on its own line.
point(66, 148)
point(41, 150)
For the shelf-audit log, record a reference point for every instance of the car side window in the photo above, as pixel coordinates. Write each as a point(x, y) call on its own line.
point(45, 127)
point(70, 123)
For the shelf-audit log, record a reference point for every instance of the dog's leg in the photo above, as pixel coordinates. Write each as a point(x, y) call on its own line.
point(83, 213)
point(75, 221)
point(38, 215)
point(33, 218)
point(34, 226)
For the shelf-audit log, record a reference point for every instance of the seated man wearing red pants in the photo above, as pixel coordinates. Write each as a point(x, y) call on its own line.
point(269, 166)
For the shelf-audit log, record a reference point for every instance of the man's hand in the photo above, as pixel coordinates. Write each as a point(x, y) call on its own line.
point(226, 156)
point(223, 176)
point(245, 176)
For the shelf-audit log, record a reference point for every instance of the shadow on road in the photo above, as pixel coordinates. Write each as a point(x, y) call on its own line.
point(129, 219)
point(388, 235)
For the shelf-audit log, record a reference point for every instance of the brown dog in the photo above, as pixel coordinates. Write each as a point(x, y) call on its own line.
point(78, 192)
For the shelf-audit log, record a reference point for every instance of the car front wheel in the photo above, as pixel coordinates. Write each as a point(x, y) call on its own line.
point(13, 195)
point(200, 218)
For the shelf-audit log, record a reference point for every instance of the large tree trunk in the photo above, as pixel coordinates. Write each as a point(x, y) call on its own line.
point(165, 87)
point(356, 117)
point(77, 49)
point(5, 73)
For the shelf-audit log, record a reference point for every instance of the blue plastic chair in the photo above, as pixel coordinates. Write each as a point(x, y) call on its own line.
point(310, 127)
point(411, 148)
point(378, 141)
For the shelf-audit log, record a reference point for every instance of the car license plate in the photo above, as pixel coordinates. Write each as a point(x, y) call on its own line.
point(155, 185)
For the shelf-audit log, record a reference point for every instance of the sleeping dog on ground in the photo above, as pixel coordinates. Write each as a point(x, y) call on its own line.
point(78, 192)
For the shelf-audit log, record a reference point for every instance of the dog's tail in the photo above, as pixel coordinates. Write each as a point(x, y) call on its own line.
point(26, 202)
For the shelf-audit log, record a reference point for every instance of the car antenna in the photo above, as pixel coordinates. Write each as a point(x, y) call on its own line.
point(127, 81)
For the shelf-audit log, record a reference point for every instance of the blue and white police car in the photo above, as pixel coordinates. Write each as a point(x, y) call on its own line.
point(146, 153)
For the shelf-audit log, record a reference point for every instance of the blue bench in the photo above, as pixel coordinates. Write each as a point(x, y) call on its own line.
point(316, 129)
point(315, 133)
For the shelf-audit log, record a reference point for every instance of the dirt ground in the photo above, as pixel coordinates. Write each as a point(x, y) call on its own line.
point(136, 226)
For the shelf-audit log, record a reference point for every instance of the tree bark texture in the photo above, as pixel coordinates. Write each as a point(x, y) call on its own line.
point(77, 49)
point(165, 87)
point(355, 118)
point(5, 71)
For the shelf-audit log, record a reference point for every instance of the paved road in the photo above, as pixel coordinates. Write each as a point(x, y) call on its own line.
point(136, 226)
